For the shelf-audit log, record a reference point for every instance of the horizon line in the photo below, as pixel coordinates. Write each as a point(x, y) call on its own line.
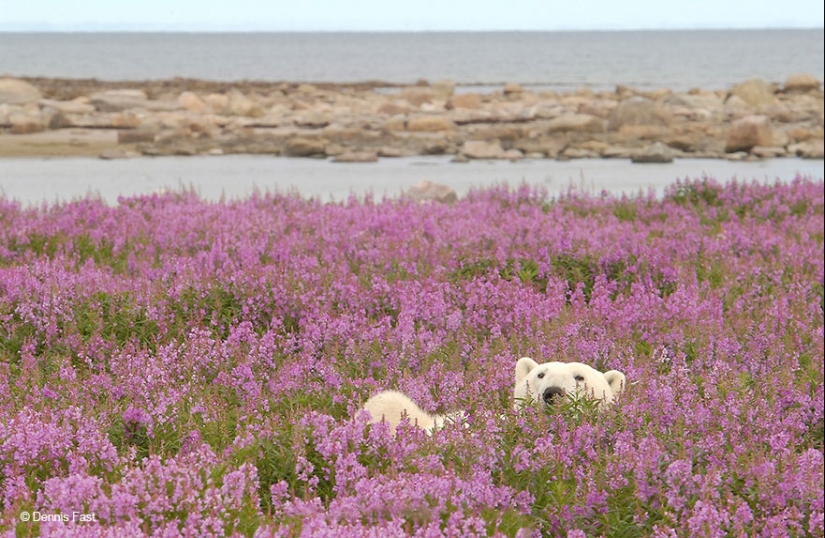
point(209, 29)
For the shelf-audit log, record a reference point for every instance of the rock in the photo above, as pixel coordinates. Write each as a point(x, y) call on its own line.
point(801, 134)
point(100, 121)
point(512, 88)
point(135, 136)
point(735, 102)
point(313, 120)
point(417, 95)
point(601, 108)
point(686, 142)
point(696, 100)
point(218, 102)
point(479, 149)
point(429, 124)
point(54, 119)
point(356, 157)
point(437, 146)
point(582, 123)
point(395, 123)
point(748, 132)
point(507, 133)
point(443, 89)
point(25, 122)
point(388, 151)
point(460, 158)
point(76, 106)
point(429, 191)
point(639, 111)
point(394, 107)
point(191, 102)
point(334, 150)
point(114, 153)
point(471, 101)
point(306, 89)
point(654, 153)
point(596, 146)
point(547, 146)
point(186, 149)
point(780, 138)
point(737, 156)
point(766, 152)
point(802, 82)
point(18, 92)
point(613, 152)
point(304, 147)
point(118, 100)
point(241, 105)
point(810, 149)
point(576, 153)
point(754, 92)
point(777, 113)
point(513, 155)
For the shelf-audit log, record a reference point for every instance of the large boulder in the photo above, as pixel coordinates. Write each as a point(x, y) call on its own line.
point(582, 123)
point(801, 82)
point(639, 111)
point(754, 92)
point(748, 132)
point(17, 92)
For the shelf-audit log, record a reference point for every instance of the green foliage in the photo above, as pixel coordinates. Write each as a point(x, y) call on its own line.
point(695, 194)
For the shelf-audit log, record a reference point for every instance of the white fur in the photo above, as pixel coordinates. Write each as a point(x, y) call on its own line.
point(532, 381)
point(563, 379)
point(392, 406)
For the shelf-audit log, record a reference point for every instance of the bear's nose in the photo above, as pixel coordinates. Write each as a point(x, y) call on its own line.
point(552, 394)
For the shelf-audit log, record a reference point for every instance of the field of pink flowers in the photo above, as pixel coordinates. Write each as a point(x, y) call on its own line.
point(171, 366)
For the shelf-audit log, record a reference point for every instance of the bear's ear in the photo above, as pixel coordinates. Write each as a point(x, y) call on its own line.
point(616, 380)
point(523, 367)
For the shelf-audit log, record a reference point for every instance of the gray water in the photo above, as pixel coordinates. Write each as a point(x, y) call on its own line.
point(677, 59)
point(35, 181)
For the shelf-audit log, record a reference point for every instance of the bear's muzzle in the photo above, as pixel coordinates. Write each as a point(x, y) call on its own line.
point(552, 395)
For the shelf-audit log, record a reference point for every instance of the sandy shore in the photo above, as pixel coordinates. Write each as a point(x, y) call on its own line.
point(361, 122)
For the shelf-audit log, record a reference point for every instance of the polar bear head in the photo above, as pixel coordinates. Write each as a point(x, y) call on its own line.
point(548, 383)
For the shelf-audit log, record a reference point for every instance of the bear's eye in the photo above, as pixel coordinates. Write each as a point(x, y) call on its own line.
point(579, 378)
point(540, 376)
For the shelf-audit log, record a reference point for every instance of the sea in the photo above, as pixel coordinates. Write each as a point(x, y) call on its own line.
point(561, 60)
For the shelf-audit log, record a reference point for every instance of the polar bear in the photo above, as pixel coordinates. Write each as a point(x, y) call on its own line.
point(548, 383)
point(544, 384)
point(392, 406)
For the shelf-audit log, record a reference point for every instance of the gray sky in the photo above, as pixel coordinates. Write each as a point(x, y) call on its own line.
point(409, 15)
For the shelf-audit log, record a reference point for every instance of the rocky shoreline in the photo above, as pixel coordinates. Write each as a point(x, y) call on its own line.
point(365, 121)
